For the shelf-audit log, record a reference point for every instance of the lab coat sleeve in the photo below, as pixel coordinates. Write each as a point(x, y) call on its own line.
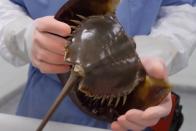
point(15, 33)
point(172, 38)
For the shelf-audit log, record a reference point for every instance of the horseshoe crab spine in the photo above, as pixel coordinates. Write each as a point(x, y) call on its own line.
point(68, 86)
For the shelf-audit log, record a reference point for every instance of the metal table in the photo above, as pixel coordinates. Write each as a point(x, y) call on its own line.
point(16, 123)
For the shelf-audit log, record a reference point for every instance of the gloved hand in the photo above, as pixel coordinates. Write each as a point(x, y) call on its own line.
point(47, 51)
point(137, 120)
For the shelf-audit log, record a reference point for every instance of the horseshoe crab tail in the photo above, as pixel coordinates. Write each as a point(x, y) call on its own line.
point(73, 78)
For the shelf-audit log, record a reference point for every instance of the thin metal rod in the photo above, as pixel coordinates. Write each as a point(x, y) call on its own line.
point(68, 86)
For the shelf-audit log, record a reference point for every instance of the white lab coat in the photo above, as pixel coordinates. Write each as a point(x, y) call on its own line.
point(173, 37)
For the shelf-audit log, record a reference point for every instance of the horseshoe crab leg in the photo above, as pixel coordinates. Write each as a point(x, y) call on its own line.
point(76, 22)
point(68, 86)
point(124, 99)
point(73, 27)
point(81, 17)
point(117, 101)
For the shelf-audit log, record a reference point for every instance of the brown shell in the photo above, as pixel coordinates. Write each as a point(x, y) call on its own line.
point(111, 67)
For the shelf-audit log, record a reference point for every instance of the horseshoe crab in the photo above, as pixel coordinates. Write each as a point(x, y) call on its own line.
point(107, 77)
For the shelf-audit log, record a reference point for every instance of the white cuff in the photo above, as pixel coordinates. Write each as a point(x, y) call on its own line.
point(162, 47)
point(17, 41)
point(172, 38)
point(15, 33)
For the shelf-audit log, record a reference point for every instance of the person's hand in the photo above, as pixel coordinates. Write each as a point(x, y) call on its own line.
point(47, 52)
point(137, 120)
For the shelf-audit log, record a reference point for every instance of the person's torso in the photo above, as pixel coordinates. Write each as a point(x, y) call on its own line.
point(137, 18)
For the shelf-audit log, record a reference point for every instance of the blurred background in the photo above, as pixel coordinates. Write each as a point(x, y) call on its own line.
point(12, 81)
